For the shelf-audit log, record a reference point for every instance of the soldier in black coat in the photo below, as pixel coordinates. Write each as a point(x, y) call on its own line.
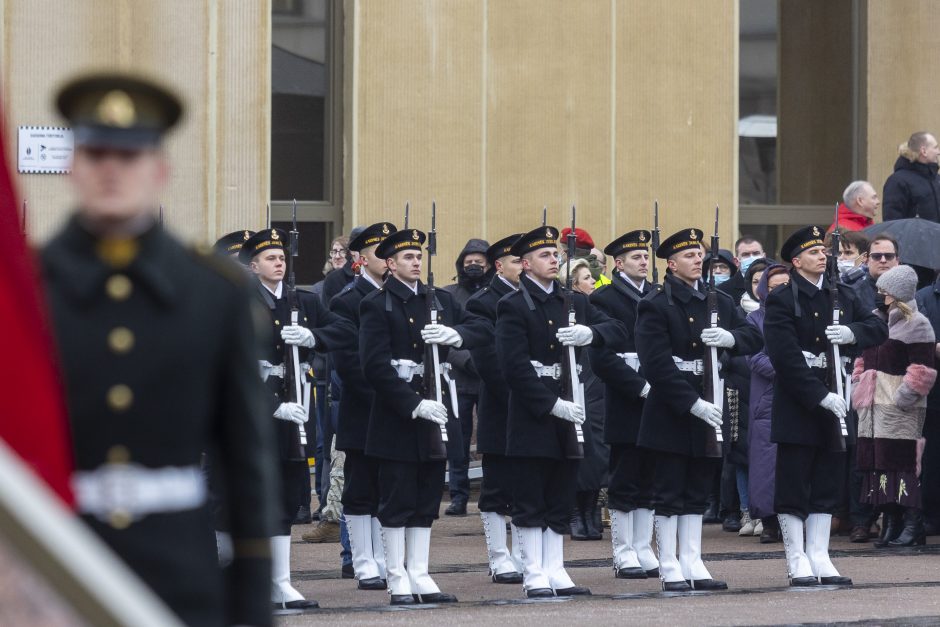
point(156, 347)
point(316, 329)
point(798, 331)
point(496, 490)
point(629, 493)
point(360, 471)
point(405, 429)
point(672, 336)
point(532, 332)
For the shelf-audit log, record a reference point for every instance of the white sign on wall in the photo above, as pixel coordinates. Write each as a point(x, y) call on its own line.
point(45, 150)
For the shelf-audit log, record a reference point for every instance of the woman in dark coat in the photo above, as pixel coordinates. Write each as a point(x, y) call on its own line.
point(762, 453)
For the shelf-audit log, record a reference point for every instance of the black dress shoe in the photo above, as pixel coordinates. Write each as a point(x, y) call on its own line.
point(578, 527)
point(348, 572)
point(803, 582)
point(630, 573)
point(457, 507)
point(300, 604)
point(372, 583)
point(402, 599)
point(711, 516)
point(770, 535)
point(303, 516)
point(653, 573)
point(708, 584)
point(731, 523)
point(676, 586)
point(573, 591)
point(539, 593)
point(835, 581)
point(435, 597)
point(512, 577)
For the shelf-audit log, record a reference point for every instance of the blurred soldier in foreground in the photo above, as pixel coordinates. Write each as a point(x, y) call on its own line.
point(157, 351)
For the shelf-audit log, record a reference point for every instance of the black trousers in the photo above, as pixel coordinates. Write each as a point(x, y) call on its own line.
point(681, 483)
point(930, 466)
point(361, 487)
point(460, 432)
point(293, 484)
point(543, 492)
point(631, 478)
point(810, 480)
point(409, 492)
point(496, 488)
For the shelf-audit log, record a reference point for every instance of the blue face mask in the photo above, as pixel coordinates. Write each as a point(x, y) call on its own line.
point(746, 263)
point(721, 278)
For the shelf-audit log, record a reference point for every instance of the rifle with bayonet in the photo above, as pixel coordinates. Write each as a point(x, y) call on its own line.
point(293, 377)
point(544, 215)
point(834, 368)
point(655, 242)
point(713, 385)
point(571, 388)
point(433, 373)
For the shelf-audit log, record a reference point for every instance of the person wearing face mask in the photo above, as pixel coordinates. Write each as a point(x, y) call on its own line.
point(892, 381)
point(746, 250)
point(853, 254)
point(473, 274)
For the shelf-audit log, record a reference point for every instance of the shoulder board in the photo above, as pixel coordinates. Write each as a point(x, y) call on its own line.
point(655, 291)
point(303, 291)
point(226, 268)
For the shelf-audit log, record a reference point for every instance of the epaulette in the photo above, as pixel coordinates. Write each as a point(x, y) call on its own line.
point(226, 268)
point(655, 291)
point(348, 287)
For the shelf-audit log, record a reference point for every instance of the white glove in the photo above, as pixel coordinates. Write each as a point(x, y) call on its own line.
point(646, 390)
point(575, 335)
point(717, 337)
point(566, 410)
point(292, 412)
point(708, 412)
point(835, 404)
point(431, 410)
point(296, 335)
point(840, 334)
point(439, 334)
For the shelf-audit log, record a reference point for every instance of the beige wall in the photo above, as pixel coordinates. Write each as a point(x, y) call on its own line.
point(901, 91)
point(215, 53)
point(498, 107)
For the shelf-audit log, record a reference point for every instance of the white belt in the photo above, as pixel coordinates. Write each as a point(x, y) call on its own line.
point(132, 491)
point(695, 366)
point(631, 359)
point(270, 370)
point(407, 370)
point(820, 361)
point(552, 370)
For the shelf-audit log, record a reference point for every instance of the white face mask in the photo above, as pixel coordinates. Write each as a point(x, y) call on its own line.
point(845, 266)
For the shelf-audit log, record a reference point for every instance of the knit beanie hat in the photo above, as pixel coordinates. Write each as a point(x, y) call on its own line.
point(899, 282)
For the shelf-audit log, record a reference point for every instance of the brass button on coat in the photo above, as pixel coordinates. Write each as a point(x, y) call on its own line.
point(120, 340)
point(120, 397)
point(119, 287)
point(119, 519)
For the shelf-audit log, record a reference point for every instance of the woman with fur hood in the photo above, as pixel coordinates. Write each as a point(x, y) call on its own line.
point(890, 394)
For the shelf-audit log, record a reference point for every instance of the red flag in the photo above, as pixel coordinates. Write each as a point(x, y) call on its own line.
point(32, 406)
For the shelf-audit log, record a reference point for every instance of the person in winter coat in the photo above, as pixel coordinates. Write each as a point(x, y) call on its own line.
point(858, 207)
point(913, 190)
point(762, 453)
point(473, 274)
point(892, 381)
point(928, 303)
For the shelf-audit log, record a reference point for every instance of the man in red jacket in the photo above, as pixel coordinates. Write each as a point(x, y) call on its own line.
point(859, 205)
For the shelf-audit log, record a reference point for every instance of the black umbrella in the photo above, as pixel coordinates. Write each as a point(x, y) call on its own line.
point(919, 240)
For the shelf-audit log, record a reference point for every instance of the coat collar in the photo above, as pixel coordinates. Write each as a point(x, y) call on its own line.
point(535, 290)
point(621, 285)
point(499, 286)
point(805, 286)
point(72, 255)
point(398, 288)
point(681, 291)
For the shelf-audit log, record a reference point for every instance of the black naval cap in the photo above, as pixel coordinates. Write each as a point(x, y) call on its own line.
point(677, 242)
point(501, 248)
point(724, 256)
point(118, 111)
point(408, 239)
point(262, 241)
point(542, 237)
point(804, 239)
point(371, 235)
point(233, 242)
point(628, 242)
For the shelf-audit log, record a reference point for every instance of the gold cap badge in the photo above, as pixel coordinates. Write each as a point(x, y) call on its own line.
point(247, 235)
point(692, 234)
point(548, 232)
point(384, 229)
point(274, 235)
point(816, 231)
point(116, 109)
point(642, 237)
point(414, 235)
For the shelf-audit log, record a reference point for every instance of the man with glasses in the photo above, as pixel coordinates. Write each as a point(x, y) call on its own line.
point(883, 254)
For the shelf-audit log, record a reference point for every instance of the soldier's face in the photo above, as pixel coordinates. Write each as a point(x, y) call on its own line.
point(811, 261)
point(373, 265)
point(634, 264)
point(269, 265)
point(542, 264)
point(406, 265)
point(687, 265)
point(113, 186)
point(509, 267)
